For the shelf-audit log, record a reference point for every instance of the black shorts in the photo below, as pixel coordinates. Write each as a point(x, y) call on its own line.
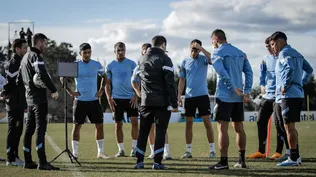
point(225, 111)
point(124, 105)
point(90, 109)
point(291, 109)
point(277, 115)
point(200, 102)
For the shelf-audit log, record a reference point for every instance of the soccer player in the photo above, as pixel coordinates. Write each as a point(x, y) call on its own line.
point(193, 73)
point(281, 132)
point(267, 105)
point(151, 138)
point(121, 96)
point(293, 71)
point(229, 63)
point(86, 103)
point(33, 64)
point(14, 94)
point(158, 92)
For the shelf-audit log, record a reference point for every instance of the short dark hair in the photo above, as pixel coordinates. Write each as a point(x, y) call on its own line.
point(146, 46)
point(17, 43)
point(197, 41)
point(120, 45)
point(219, 33)
point(278, 35)
point(39, 37)
point(84, 46)
point(267, 41)
point(158, 40)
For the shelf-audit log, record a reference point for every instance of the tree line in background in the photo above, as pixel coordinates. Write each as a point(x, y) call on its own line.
point(64, 52)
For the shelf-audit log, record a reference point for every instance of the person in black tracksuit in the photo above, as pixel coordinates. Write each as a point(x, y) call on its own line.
point(32, 64)
point(158, 92)
point(14, 95)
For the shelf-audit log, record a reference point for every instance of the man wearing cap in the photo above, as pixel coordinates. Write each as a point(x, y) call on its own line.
point(86, 103)
point(193, 73)
point(33, 64)
point(292, 72)
point(121, 96)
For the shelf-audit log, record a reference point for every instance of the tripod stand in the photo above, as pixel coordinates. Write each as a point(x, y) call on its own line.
point(70, 155)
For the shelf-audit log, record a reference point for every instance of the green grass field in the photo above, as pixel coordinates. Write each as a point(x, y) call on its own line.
point(197, 166)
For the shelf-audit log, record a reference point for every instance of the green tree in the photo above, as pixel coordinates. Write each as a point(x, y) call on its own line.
point(3, 58)
point(55, 53)
point(211, 83)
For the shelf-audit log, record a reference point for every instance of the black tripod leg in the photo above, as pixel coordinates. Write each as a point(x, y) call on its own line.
point(58, 155)
point(70, 157)
point(73, 157)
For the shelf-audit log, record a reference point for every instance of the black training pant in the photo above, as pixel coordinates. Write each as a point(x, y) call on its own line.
point(264, 113)
point(15, 128)
point(149, 115)
point(36, 120)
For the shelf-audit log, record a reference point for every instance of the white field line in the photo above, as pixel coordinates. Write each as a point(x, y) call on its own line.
point(72, 167)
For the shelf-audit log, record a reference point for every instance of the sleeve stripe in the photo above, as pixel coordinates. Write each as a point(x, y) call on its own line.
point(38, 63)
point(11, 74)
point(215, 59)
point(168, 68)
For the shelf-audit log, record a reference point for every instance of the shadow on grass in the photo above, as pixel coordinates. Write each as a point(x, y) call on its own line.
point(289, 172)
point(192, 167)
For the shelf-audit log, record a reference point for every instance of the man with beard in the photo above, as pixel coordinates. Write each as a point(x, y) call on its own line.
point(36, 80)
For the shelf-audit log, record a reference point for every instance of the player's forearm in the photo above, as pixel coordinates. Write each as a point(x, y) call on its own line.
point(180, 87)
point(136, 88)
point(103, 83)
point(108, 91)
point(207, 54)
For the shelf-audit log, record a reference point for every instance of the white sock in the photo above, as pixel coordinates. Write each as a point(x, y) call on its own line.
point(120, 146)
point(100, 144)
point(166, 148)
point(212, 147)
point(288, 151)
point(75, 146)
point(189, 148)
point(152, 148)
point(134, 144)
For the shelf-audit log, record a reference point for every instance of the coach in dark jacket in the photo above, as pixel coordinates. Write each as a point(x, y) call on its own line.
point(158, 93)
point(36, 80)
point(14, 94)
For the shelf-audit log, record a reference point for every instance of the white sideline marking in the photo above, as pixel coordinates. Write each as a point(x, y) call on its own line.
point(72, 167)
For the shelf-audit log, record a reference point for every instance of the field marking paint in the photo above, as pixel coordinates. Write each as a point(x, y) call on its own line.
point(72, 167)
